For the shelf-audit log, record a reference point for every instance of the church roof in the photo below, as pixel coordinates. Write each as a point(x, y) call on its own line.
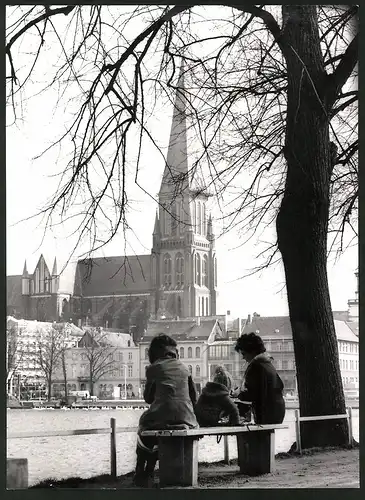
point(114, 275)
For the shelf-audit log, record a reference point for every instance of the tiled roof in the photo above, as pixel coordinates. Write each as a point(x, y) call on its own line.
point(14, 290)
point(280, 327)
point(277, 326)
point(344, 332)
point(180, 329)
point(115, 275)
point(354, 325)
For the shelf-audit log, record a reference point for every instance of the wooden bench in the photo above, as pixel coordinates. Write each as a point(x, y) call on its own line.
point(178, 451)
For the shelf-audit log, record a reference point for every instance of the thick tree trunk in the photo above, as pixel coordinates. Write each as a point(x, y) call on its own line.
point(302, 225)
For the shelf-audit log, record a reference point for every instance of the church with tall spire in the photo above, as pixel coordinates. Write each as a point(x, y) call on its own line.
point(177, 280)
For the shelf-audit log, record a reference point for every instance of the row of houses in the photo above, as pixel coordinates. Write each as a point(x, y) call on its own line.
point(203, 343)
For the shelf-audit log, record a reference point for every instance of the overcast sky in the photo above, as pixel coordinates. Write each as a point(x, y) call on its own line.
point(30, 183)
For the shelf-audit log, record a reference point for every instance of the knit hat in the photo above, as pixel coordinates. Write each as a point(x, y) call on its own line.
point(222, 376)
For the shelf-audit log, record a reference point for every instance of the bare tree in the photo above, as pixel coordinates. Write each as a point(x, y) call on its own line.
point(14, 350)
point(99, 353)
point(272, 98)
point(49, 348)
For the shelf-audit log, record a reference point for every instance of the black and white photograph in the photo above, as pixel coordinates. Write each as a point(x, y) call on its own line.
point(182, 266)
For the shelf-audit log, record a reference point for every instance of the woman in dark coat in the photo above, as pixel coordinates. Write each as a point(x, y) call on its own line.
point(262, 385)
point(171, 393)
point(214, 401)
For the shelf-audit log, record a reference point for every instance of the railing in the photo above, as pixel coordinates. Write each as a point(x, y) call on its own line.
point(298, 419)
point(113, 431)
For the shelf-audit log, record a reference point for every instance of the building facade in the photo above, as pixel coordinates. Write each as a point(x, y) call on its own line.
point(119, 372)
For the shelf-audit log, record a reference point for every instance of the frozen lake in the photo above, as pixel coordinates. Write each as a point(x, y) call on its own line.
point(85, 456)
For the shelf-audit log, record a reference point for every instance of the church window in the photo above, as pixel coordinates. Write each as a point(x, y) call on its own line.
point(193, 216)
point(190, 369)
point(166, 219)
point(198, 217)
point(167, 269)
point(197, 352)
point(179, 269)
point(182, 354)
point(215, 271)
point(197, 370)
point(204, 220)
point(205, 271)
point(203, 306)
point(197, 269)
point(173, 219)
point(190, 352)
point(46, 284)
point(37, 281)
point(179, 307)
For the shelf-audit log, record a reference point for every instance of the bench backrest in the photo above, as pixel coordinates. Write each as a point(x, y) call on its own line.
point(217, 431)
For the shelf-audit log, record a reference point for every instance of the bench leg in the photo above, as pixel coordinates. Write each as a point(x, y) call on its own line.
point(256, 452)
point(178, 461)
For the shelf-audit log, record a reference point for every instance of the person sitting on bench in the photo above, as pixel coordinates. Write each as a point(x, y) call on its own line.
point(171, 393)
point(214, 402)
point(262, 384)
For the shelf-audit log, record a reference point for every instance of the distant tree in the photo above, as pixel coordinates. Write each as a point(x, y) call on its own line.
point(49, 348)
point(14, 350)
point(99, 353)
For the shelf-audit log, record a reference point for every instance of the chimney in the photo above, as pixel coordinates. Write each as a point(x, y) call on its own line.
point(198, 320)
point(249, 319)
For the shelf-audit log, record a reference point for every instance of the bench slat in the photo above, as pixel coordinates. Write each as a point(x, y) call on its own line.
point(205, 431)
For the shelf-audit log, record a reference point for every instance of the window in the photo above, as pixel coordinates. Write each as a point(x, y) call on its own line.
point(167, 269)
point(285, 364)
point(179, 307)
point(197, 352)
point(346, 364)
point(278, 364)
point(206, 306)
point(182, 353)
point(130, 370)
point(190, 352)
point(83, 356)
point(146, 353)
point(190, 369)
point(205, 271)
point(83, 369)
point(166, 219)
point(173, 219)
point(120, 356)
point(130, 356)
point(203, 306)
point(215, 271)
point(204, 218)
point(197, 370)
point(46, 284)
point(198, 218)
point(197, 269)
point(179, 269)
point(193, 216)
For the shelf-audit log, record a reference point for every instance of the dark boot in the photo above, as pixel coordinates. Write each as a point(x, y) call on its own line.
point(140, 476)
point(150, 469)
